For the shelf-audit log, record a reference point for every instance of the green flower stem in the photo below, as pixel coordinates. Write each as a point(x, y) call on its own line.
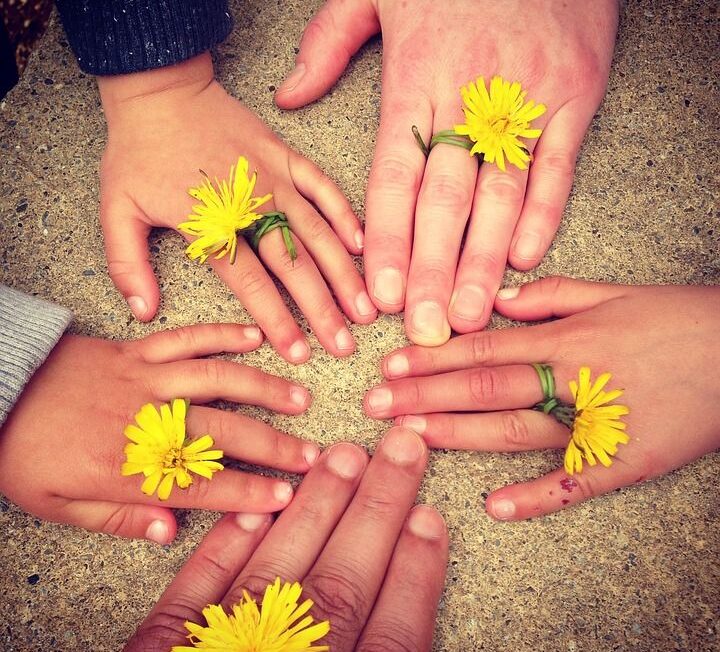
point(271, 221)
point(447, 136)
point(562, 412)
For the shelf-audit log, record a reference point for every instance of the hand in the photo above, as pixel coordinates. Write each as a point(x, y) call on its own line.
point(418, 211)
point(659, 343)
point(166, 124)
point(61, 448)
point(373, 570)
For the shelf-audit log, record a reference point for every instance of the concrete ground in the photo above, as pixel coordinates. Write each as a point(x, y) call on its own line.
point(635, 570)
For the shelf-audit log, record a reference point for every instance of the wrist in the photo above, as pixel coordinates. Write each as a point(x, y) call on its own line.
point(161, 86)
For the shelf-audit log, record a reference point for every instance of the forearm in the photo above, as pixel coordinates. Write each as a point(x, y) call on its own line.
point(29, 329)
point(115, 37)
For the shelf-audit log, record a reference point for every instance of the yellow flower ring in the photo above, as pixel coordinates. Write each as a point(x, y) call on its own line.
point(279, 625)
point(227, 208)
point(495, 121)
point(596, 428)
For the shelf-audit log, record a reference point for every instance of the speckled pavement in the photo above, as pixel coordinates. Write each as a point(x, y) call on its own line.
point(635, 570)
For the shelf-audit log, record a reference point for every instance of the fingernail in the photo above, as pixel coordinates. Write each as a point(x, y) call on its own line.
point(418, 424)
point(345, 460)
point(158, 532)
point(402, 446)
point(388, 286)
point(299, 351)
point(429, 327)
point(251, 522)
point(364, 305)
point(359, 239)
point(468, 302)
point(138, 306)
point(283, 492)
point(380, 399)
point(426, 523)
point(508, 293)
point(344, 340)
point(398, 365)
point(253, 333)
point(293, 79)
point(311, 453)
point(503, 509)
point(528, 246)
point(299, 396)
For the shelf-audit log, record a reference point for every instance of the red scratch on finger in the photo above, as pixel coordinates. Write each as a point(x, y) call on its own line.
point(568, 484)
point(565, 501)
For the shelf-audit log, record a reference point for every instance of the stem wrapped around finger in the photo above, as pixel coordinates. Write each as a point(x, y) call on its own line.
point(271, 221)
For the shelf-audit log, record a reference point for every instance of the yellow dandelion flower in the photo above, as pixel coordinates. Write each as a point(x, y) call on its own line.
point(226, 208)
point(280, 625)
point(597, 428)
point(158, 450)
point(496, 120)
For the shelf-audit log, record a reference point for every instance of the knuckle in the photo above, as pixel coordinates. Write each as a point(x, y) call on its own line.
point(484, 385)
point(389, 637)
point(376, 507)
point(433, 274)
point(215, 372)
point(118, 521)
point(556, 163)
point(484, 264)
point(482, 348)
point(254, 584)
point(252, 283)
point(338, 598)
point(552, 286)
point(164, 626)
point(318, 230)
point(447, 192)
point(393, 172)
point(515, 430)
point(502, 188)
point(186, 337)
point(217, 569)
point(586, 484)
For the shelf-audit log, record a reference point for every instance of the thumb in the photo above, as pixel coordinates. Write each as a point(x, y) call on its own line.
point(128, 256)
point(555, 296)
point(121, 519)
point(334, 34)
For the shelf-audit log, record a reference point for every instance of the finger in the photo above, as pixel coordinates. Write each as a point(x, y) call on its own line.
point(313, 184)
point(127, 520)
point(334, 34)
point(250, 283)
point(307, 522)
point(125, 233)
point(197, 341)
point(502, 432)
point(482, 388)
point(307, 287)
point(525, 344)
point(252, 441)
point(442, 211)
point(346, 579)
point(203, 580)
point(555, 296)
point(331, 259)
point(202, 381)
point(550, 181)
point(496, 208)
point(557, 490)
point(393, 185)
point(404, 615)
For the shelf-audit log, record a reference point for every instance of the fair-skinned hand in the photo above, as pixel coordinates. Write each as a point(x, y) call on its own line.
point(417, 212)
point(659, 343)
point(62, 447)
point(373, 566)
point(166, 124)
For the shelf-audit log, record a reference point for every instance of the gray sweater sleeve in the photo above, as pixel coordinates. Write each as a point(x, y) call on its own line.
point(29, 329)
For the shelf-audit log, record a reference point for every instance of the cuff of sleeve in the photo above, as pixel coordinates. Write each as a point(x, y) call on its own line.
point(29, 329)
point(112, 37)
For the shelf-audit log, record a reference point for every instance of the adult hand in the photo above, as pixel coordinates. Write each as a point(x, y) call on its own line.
point(416, 210)
point(166, 124)
point(373, 565)
point(62, 447)
point(659, 343)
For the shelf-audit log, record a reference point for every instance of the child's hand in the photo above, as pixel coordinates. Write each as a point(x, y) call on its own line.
point(166, 124)
point(420, 211)
point(659, 343)
point(61, 449)
point(373, 565)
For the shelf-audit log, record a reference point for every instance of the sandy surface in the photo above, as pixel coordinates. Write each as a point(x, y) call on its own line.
point(635, 570)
